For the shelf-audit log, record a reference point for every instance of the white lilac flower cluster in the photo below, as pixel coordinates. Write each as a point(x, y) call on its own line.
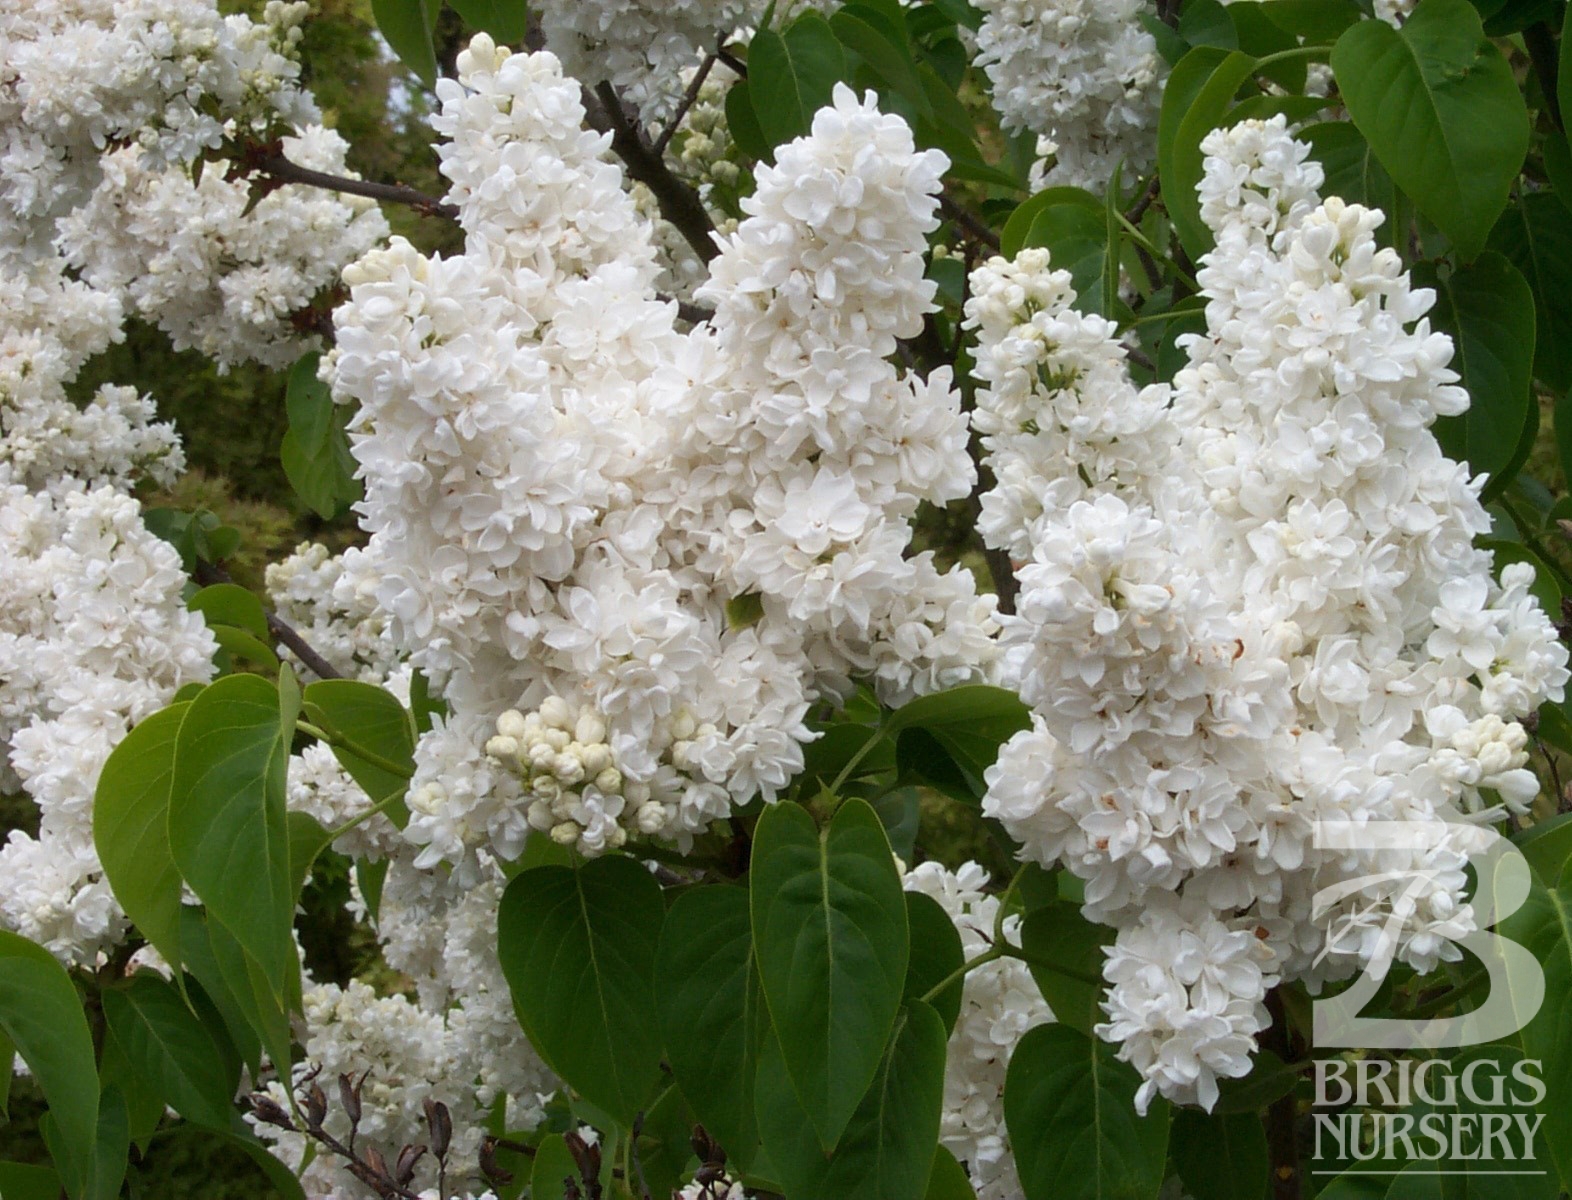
point(1250, 607)
point(102, 110)
point(217, 274)
point(164, 75)
point(1084, 75)
point(682, 539)
point(330, 600)
point(641, 47)
point(95, 636)
point(50, 325)
point(999, 1003)
point(456, 1040)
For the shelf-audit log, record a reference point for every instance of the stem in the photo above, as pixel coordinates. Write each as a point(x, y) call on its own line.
point(1296, 52)
point(862, 753)
point(969, 221)
point(1540, 43)
point(1144, 201)
point(688, 97)
point(1141, 240)
point(678, 202)
point(207, 573)
point(992, 954)
point(1282, 1118)
point(1451, 996)
point(339, 742)
point(276, 166)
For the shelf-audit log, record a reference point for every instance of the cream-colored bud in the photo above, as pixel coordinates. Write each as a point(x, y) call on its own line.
point(617, 837)
point(557, 739)
point(597, 757)
point(651, 818)
point(503, 746)
point(569, 767)
point(511, 724)
point(565, 834)
point(589, 728)
point(682, 726)
point(546, 787)
point(609, 781)
point(541, 816)
point(557, 712)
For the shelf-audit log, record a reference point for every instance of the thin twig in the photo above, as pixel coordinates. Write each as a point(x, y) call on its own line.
point(969, 222)
point(209, 573)
point(678, 202)
point(275, 165)
point(1144, 200)
point(732, 61)
point(688, 97)
point(1540, 43)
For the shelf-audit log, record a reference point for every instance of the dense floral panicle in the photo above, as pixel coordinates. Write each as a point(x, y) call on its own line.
point(632, 557)
point(94, 636)
point(164, 75)
point(641, 47)
point(1250, 605)
point(1084, 75)
point(999, 1003)
point(216, 273)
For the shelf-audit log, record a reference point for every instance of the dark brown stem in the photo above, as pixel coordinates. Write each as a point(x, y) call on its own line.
point(207, 573)
point(678, 202)
point(1541, 45)
point(1144, 200)
point(969, 222)
point(275, 166)
point(1282, 1118)
point(688, 97)
point(732, 61)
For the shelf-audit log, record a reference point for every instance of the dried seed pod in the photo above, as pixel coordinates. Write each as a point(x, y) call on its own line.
point(269, 1111)
point(316, 1107)
point(440, 1122)
point(349, 1097)
point(404, 1169)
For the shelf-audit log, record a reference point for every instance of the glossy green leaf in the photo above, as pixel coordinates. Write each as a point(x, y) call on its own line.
point(131, 829)
point(791, 75)
point(231, 604)
point(1206, 23)
point(1441, 110)
point(947, 1179)
point(1221, 1157)
point(1488, 309)
point(743, 122)
point(1543, 925)
point(165, 1041)
point(936, 957)
point(24, 1181)
point(505, 20)
point(1564, 73)
point(218, 964)
point(578, 949)
point(886, 1151)
point(1070, 1108)
point(370, 717)
point(1548, 847)
point(1013, 237)
point(406, 26)
point(228, 832)
point(1077, 241)
point(1066, 960)
point(553, 1169)
point(1536, 234)
point(1195, 102)
point(830, 933)
point(1352, 169)
point(42, 1016)
point(969, 723)
point(712, 1012)
point(315, 450)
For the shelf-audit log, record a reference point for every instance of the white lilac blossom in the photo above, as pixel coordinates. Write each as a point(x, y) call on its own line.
point(94, 637)
point(589, 525)
point(643, 48)
point(1084, 75)
point(999, 1003)
point(216, 273)
point(1250, 605)
point(330, 600)
point(164, 75)
point(50, 325)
